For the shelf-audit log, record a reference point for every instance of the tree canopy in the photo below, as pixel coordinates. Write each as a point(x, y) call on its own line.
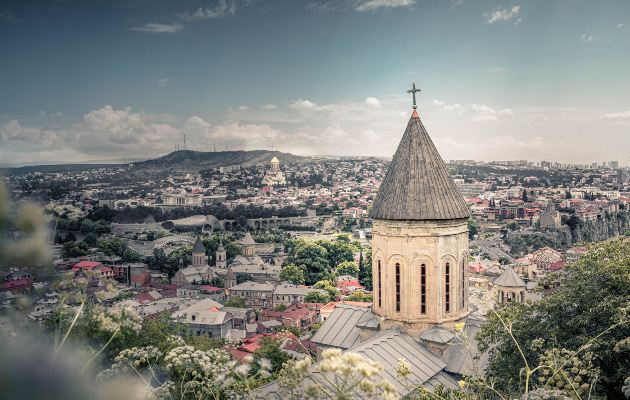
point(348, 268)
point(291, 273)
point(593, 296)
point(312, 259)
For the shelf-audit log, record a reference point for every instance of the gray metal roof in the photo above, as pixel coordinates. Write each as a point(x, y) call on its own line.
point(437, 335)
point(461, 359)
point(509, 278)
point(199, 247)
point(418, 186)
point(340, 329)
point(387, 348)
point(248, 239)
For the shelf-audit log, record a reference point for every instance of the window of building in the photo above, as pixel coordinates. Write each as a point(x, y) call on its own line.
point(463, 283)
point(397, 287)
point(447, 280)
point(423, 289)
point(379, 283)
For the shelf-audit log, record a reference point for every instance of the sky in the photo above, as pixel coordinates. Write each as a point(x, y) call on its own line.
point(535, 80)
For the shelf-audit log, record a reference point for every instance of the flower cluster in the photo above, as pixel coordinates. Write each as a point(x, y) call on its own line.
point(338, 376)
point(565, 370)
point(114, 319)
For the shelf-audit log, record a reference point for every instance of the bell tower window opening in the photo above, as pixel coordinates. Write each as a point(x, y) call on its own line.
point(397, 287)
point(447, 291)
point(423, 289)
point(379, 283)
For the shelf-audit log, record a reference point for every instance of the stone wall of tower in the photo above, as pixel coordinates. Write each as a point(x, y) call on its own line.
point(413, 244)
point(198, 259)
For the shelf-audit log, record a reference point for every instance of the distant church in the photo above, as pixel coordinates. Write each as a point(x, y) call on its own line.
point(197, 272)
point(274, 176)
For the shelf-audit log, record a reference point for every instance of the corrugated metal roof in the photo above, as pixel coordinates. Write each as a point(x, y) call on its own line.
point(418, 186)
point(460, 359)
point(340, 329)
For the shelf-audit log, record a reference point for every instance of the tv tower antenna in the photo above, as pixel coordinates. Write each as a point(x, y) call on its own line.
point(184, 142)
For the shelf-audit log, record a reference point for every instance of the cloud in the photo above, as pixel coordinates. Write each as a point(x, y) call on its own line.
point(482, 109)
point(321, 7)
point(41, 114)
point(619, 26)
point(517, 21)
point(247, 133)
point(224, 8)
point(499, 69)
point(507, 111)
point(308, 105)
point(453, 107)
point(13, 133)
point(458, 2)
point(372, 102)
point(587, 39)
point(269, 107)
point(8, 16)
point(625, 114)
point(243, 108)
point(501, 15)
point(371, 5)
point(163, 82)
point(482, 118)
point(158, 28)
point(438, 102)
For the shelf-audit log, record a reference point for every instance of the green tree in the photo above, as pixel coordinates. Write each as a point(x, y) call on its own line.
point(217, 282)
point(348, 268)
point(316, 297)
point(291, 273)
point(235, 302)
point(329, 286)
point(593, 296)
point(366, 281)
point(360, 296)
point(280, 307)
point(270, 350)
point(91, 240)
point(312, 259)
point(525, 199)
point(473, 228)
point(293, 329)
point(243, 277)
point(337, 251)
point(503, 260)
point(511, 225)
point(316, 327)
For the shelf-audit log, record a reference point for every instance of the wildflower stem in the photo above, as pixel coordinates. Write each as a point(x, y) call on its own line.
point(57, 349)
point(100, 351)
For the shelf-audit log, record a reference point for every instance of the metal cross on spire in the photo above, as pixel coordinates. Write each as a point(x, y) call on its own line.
point(414, 90)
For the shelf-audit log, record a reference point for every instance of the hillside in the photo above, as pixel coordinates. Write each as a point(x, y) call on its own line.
point(183, 160)
point(197, 160)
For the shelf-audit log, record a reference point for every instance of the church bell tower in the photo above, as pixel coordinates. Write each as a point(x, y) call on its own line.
point(420, 239)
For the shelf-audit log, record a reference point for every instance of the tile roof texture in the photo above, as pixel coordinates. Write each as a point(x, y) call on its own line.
point(418, 186)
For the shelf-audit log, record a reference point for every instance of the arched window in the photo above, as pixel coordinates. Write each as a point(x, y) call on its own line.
point(423, 289)
point(379, 283)
point(463, 283)
point(397, 287)
point(447, 280)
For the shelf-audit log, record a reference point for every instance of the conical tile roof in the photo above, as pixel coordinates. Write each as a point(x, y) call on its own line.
point(509, 278)
point(248, 239)
point(220, 248)
point(418, 186)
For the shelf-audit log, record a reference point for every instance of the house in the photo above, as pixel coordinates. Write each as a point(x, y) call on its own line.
point(202, 291)
point(242, 316)
point(257, 295)
point(287, 293)
point(18, 287)
point(212, 323)
point(298, 316)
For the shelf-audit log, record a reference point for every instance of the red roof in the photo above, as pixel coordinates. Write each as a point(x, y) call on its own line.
point(88, 264)
point(142, 297)
point(16, 284)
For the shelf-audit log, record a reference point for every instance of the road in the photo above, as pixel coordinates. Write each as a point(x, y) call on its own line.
point(486, 246)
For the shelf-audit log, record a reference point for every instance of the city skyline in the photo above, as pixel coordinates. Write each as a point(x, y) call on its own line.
point(499, 81)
